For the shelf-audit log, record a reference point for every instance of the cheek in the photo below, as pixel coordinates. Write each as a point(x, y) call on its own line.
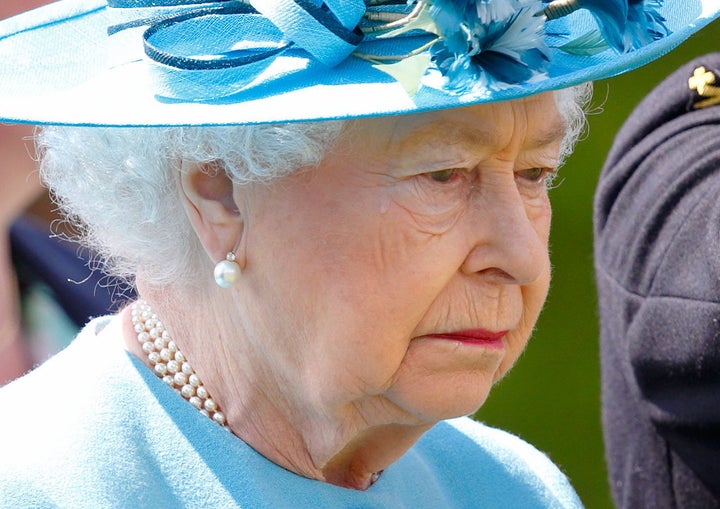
point(539, 213)
point(357, 268)
point(533, 298)
point(430, 207)
point(384, 277)
point(381, 291)
point(384, 243)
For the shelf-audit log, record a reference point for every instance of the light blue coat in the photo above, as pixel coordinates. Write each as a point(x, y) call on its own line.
point(94, 428)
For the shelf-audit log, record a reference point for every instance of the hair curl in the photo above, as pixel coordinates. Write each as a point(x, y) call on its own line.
point(118, 187)
point(572, 104)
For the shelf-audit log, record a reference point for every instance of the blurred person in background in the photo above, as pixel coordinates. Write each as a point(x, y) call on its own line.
point(19, 187)
point(657, 258)
point(47, 290)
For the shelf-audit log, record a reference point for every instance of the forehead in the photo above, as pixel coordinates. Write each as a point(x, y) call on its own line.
point(530, 122)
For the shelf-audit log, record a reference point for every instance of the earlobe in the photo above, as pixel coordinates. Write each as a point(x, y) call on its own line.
point(207, 194)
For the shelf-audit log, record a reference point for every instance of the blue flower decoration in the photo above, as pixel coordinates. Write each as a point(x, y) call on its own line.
point(611, 16)
point(624, 24)
point(488, 43)
point(645, 23)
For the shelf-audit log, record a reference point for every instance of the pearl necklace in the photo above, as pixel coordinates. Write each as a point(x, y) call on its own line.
point(169, 363)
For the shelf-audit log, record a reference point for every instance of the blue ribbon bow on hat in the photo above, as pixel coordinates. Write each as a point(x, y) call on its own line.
point(327, 30)
point(208, 50)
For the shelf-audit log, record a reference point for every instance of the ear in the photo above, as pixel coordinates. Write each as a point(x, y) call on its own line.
point(207, 194)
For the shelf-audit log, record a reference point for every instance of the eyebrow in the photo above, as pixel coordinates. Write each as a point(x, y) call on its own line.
point(552, 133)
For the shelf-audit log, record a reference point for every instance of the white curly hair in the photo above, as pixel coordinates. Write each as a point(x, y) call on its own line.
point(118, 187)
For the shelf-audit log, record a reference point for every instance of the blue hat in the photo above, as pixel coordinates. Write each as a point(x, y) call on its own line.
point(191, 62)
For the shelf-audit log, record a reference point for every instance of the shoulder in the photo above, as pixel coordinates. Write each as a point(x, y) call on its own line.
point(69, 365)
point(52, 398)
point(61, 379)
point(492, 464)
point(498, 443)
point(68, 418)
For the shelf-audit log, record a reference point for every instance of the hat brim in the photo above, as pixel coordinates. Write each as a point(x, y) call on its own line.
point(60, 67)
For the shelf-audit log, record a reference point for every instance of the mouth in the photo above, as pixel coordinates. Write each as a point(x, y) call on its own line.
point(479, 337)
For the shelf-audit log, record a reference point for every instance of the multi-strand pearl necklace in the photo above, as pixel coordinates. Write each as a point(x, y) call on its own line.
point(169, 363)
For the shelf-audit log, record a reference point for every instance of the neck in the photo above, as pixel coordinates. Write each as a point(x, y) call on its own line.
point(362, 459)
point(340, 446)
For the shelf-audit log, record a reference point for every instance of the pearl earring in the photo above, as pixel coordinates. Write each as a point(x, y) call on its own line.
point(227, 271)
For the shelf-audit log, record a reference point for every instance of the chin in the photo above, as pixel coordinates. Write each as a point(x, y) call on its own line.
point(435, 402)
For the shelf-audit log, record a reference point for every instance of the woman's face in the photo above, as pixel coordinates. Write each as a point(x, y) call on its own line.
point(402, 277)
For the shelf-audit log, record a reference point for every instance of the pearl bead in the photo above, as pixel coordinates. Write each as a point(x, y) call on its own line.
point(169, 363)
point(227, 272)
point(210, 405)
point(180, 379)
point(172, 366)
point(219, 417)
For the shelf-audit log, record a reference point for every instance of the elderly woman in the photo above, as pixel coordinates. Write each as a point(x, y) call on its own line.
point(336, 216)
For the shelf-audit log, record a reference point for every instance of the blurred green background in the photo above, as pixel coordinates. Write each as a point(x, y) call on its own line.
point(552, 397)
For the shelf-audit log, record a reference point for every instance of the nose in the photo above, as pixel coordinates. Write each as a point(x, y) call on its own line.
point(510, 246)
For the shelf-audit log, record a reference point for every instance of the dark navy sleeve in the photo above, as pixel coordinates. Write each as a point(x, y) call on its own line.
point(657, 260)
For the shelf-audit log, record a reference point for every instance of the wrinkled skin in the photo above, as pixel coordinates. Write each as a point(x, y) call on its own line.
point(355, 272)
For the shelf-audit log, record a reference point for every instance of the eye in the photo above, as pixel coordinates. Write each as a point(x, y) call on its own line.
point(534, 174)
point(442, 175)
